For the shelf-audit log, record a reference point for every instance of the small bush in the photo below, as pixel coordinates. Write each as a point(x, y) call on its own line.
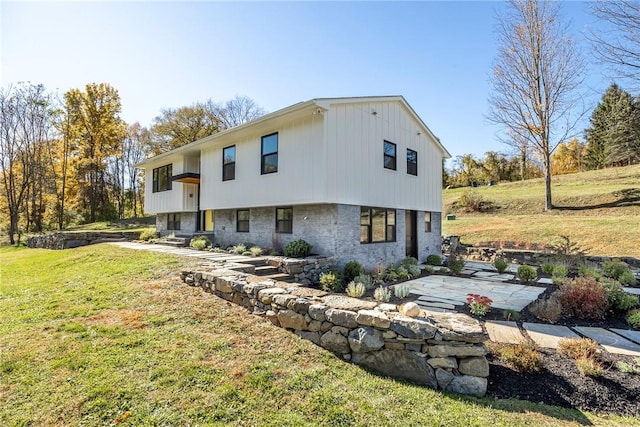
point(527, 274)
point(509, 314)
point(618, 298)
point(547, 268)
point(589, 367)
point(330, 282)
point(614, 268)
point(390, 275)
point(472, 201)
point(627, 278)
point(560, 271)
point(255, 251)
point(414, 271)
point(549, 309)
point(355, 290)
point(589, 271)
point(409, 261)
point(633, 318)
point(366, 280)
point(429, 269)
point(584, 298)
point(500, 264)
point(297, 249)
point(455, 264)
point(147, 235)
point(578, 348)
point(247, 253)
point(434, 259)
point(523, 357)
point(352, 270)
point(403, 273)
point(629, 368)
point(565, 249)
point(239, 249)
point(200, 242)
point(401, 291)
point(382, 294)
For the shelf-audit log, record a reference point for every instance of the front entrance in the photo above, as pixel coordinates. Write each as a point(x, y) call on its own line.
point(411, 237)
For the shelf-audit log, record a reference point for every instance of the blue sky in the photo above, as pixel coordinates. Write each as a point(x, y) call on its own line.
point(438, 55)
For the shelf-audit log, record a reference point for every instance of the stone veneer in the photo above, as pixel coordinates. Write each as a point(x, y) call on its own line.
point(75, 239)
point(439, 350)
point(305, 271)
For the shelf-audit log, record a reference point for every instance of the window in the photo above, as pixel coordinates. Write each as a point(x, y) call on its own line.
point(229, 163)
point(162, 178)
point(242, 220)
point(412, 162)
point(377, 225)
point(427, 222)
point(389, 155)
point(284, 220)
point(173, 221)
point(269, 154)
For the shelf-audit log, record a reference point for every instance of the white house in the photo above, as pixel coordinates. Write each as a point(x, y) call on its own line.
point(358, 178)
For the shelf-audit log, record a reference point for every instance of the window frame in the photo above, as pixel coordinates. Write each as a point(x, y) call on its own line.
point(165, 172)
point(412, 166)
point(173, 219)
point(367, 229)
point(288, 229)
point(241, 223)
point(264, 156)
point(388, 157)
point(228, 168)
point(427, 224)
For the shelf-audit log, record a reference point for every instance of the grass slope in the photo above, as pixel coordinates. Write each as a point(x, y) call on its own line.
point(100, 335)
point(597, 209)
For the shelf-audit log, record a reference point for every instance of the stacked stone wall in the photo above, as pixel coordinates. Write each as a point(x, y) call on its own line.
point(306, 271)
point(74, 239)
point(439, 350)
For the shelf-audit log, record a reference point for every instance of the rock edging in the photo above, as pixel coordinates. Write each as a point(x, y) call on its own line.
point(440, 350)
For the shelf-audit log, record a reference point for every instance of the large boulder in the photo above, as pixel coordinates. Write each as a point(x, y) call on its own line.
point(289, 319)
point(335, 342)
point(407, 365)
point(466, 384)
point(413, 328)
point(366, 339)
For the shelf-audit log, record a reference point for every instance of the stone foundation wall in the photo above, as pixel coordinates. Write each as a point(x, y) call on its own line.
point(439, 350)
point(73, 239)
point(305, 271)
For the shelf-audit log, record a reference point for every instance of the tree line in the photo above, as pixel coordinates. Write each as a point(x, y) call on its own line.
point(70, 159)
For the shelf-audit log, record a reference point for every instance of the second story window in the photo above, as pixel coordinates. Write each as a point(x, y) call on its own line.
point(162, 178)
point(269, 154)
point(412, 162)
point(229, 163)
point(389, 155)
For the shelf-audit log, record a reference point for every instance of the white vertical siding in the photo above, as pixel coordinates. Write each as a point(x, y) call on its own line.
point(175, 200)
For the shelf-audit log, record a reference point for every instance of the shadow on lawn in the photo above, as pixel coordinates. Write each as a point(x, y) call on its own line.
point(625, 198)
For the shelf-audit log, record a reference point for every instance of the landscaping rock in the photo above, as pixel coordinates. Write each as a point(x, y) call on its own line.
point(335, 342)
point(365, 339)
point(443, 362)
point(475, 366)
point(412, 328)
point(455, 350)
point(444, 378)
point(347, 303)
point(407, 365)
point(343, 318)
point(289, 319)
point(468, 385)
point(374, 318)
point(316, 311)
point(411, 309)
point(458, 327)
point(266, 295)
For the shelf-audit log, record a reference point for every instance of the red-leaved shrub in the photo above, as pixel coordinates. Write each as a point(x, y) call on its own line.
point(584, 297)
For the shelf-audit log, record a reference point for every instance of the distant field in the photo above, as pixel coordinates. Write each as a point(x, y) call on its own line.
point(600, 210)
point(101, 335)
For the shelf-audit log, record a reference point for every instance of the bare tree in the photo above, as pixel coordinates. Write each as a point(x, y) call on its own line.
point(619, 44)
point(537, 73)
point(237, 111)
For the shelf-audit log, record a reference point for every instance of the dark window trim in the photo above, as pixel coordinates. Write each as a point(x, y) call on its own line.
point(412, 167)
point(389, 229)
point(427, 224)
point(242, 226)
point(162, 172)
point(289, 228)
point(229, 168)
point(264, 156)
point(390, 161)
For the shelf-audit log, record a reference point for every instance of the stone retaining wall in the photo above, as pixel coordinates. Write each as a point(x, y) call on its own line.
point(305, 271)
point(439, 350)
point(74, 239)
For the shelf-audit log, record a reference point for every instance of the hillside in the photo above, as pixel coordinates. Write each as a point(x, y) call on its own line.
point(600, 210)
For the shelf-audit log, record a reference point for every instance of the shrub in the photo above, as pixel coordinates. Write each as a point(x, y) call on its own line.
point(629, 368)
point(627, 278)
point(560, 271)
point(297, 249)
point(382, 294)
point(578, 348)
point(633, 318)
point(434, 259)
point(618, 298)
point(414, 271)
point(352, 270)
point(589, 271)
point(247, 253)
point(355, 290)
point(549, 309)
point(500, 264)
point(200, 242)
point(429, 269)
point(239, 249)
point(454, 264)
point(147, 235)
point(403, 273)
point(523, 357)
point(401, 291)
point(510, 314)
point(472, 201)
point(565, 249)
point(479, 304)
point(584, 298)
point(526, 273)
point(330, 282)
point(255, 251)
point(547, 268)
point(366, 280)
point(409, 261)
point(390, 275)
point(614, 268)
point(589, 367)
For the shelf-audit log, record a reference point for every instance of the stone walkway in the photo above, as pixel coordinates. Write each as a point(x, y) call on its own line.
point(443, 293)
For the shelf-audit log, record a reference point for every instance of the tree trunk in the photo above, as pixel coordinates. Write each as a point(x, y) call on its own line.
point(547, 181)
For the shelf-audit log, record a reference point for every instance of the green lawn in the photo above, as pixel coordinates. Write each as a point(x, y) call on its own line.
point(101, 336)
point(598, 209)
